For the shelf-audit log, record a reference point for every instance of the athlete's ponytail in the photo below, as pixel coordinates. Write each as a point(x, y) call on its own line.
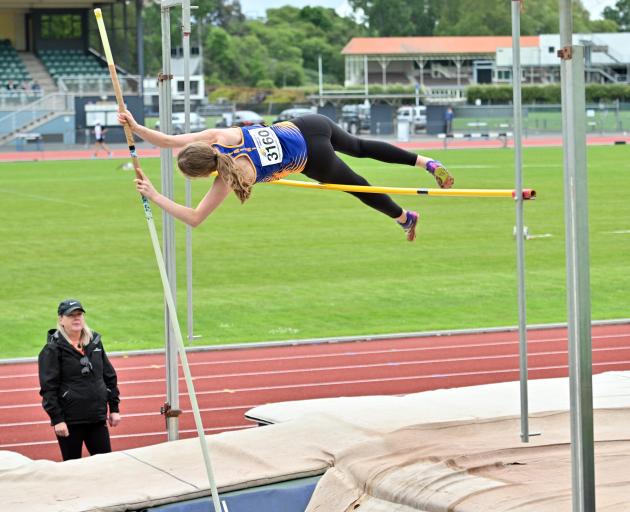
point(199, 160)
point(234, 176)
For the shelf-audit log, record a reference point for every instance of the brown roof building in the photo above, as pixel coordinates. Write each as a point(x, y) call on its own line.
point(439, 63)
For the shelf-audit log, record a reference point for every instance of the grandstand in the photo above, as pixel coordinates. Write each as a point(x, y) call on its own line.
point(72, 62)
point(52, 71)
point(13, 69)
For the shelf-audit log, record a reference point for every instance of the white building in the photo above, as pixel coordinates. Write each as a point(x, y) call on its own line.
point(197, 85)
point(456, 62)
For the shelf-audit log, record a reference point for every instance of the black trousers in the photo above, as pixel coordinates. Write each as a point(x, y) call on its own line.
point(324, 138)
point(94, 435)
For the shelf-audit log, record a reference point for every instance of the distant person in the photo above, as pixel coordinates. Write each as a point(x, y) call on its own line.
point(78, 384)
point(99, 137)
point(35, 86)
point(252, 154)
point(448, 120)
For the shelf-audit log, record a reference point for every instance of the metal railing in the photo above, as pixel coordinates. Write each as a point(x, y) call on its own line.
point(97, 85)
point(10, 100)
point(43, 108)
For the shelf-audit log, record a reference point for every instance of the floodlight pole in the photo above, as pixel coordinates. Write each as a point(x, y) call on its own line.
point(168, 224)
point(577, 258)
point(520, 233)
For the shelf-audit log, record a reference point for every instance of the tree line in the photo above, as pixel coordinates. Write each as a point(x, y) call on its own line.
point(283, 48)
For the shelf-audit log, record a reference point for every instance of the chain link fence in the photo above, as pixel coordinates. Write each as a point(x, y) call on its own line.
point(602, 118)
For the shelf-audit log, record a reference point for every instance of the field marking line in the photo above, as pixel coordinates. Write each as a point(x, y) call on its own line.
point(43, 198)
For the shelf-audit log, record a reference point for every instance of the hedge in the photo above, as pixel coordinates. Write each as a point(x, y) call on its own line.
point(502, 94)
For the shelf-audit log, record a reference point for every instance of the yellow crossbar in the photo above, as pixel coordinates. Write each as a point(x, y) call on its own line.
point(450, 192)
point(528, 193)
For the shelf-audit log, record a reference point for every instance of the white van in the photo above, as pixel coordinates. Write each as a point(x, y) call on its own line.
point(416, 115)
point(197, 123)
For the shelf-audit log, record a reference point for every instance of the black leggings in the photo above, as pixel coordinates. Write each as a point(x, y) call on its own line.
point(94, 435)
point(323, 138)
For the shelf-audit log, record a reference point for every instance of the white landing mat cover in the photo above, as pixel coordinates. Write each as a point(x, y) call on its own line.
point(457, 450)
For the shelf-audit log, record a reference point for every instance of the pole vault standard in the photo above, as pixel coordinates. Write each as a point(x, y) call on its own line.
point(160, 261)
point(578, 279)
point(188, 187)
point(520, 234)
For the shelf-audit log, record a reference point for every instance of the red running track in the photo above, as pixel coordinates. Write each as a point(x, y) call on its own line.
point(229, 382)
point(146, 151)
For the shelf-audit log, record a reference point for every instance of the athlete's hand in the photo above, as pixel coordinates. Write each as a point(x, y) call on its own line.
point(125, 118)
point(61, 429)
point(114, 419)
point(144, 186)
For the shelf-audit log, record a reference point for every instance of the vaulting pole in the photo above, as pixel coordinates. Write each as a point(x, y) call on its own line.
point(160, 261)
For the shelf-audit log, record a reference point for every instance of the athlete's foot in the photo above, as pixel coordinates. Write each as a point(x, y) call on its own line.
point(410, 224)
point(440, 173)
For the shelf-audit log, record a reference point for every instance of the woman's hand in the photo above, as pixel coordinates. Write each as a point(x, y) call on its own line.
point(125, 118)
point(61, 429)
point(114, 419)
point(144, 186)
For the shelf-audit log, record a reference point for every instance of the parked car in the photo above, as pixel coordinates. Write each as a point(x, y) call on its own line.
point(197, 123)
point(292, 113)
point(355, 118)
point(212, 109)
point(416, 115)
point(239, 118)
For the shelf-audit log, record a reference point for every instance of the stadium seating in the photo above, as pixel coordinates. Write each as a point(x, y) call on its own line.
point(11, 65)
point(71, 63)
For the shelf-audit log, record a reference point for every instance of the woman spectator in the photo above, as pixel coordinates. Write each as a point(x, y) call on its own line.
point(77, 384)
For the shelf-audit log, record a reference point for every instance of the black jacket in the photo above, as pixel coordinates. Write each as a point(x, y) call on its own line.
point(67, 394)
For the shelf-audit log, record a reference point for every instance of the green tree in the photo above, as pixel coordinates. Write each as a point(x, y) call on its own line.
point(604, 26)
point(494, 17)
point(399, 17)
point(209, 13)
point(620, 14)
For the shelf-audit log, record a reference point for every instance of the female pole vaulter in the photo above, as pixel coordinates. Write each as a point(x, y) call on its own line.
point(253, 154)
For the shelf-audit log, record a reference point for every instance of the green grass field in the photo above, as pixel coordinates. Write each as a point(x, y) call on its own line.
point(299, 264)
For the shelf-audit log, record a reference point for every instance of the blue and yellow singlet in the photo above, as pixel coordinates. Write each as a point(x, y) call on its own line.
point(274, 151)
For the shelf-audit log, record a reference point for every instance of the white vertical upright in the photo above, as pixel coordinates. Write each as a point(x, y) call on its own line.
point(321, 80)
point(520, 238)
point(365, 75)
point(188, 186)
point(168, 225)
point(577, 258)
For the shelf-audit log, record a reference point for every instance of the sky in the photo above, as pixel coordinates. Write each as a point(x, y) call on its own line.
point(595, 7)
point(257, 8)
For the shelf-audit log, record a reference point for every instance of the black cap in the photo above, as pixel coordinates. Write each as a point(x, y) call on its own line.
point(68, 306)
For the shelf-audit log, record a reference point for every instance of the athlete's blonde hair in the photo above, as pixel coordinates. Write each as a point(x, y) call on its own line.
point(199, 160)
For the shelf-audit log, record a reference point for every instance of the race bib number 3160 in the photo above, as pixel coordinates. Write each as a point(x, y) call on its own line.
point(267, 145)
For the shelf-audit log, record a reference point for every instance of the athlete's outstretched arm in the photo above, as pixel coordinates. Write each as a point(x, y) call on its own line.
point(191, 216)
point(163, 140)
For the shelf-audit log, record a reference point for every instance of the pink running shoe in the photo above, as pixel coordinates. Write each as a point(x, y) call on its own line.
point(410, 225)
point(440, 173)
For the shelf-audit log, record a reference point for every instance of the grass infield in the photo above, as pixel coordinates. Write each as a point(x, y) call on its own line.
point(299, 263)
